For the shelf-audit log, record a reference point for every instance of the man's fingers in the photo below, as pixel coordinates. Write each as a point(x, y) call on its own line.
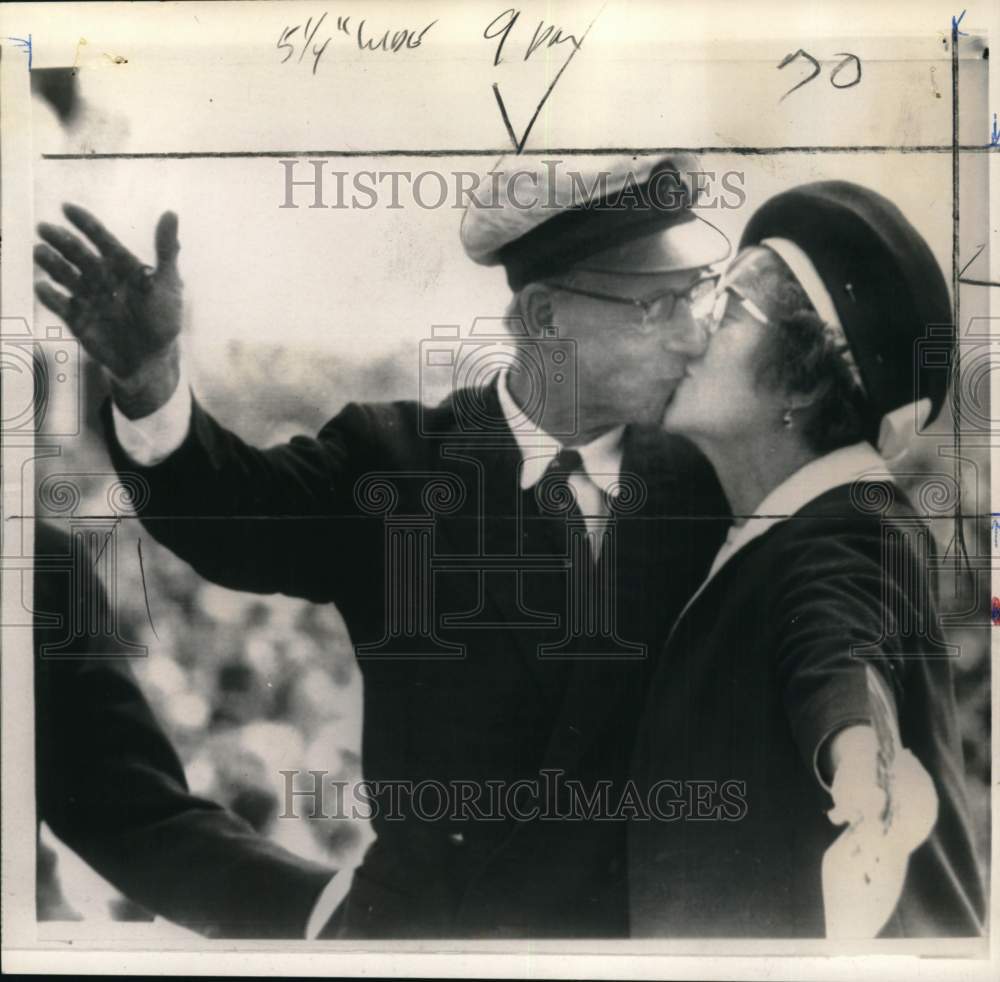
point(57, 302)
point(71, 249)
point(57, 267)
point(167, 245)
point(106, 243)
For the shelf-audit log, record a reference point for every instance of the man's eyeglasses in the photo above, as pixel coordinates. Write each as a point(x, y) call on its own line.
point(662, 302)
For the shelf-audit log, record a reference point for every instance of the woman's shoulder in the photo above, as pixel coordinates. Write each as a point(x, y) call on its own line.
point(845, 528)
point(864, 501)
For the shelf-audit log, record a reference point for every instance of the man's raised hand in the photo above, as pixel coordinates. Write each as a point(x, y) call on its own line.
point(126, 315)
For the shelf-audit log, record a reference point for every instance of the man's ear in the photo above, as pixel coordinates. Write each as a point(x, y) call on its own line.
point(537, 308)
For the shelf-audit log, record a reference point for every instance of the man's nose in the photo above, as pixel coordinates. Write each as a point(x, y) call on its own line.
point(686, 336)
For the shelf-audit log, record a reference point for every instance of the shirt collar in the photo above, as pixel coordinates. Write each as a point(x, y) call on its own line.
point(843, 466)
point(602, 457)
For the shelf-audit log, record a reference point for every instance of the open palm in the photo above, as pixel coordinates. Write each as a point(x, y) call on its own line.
point(124, 313)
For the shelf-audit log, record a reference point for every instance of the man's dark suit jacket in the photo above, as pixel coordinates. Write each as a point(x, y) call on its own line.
point(408, 520)
point(109, 784)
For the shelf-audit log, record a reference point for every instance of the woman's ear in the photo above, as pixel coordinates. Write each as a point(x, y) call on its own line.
point(537, 308)
point(797, 401)
point(801, 406)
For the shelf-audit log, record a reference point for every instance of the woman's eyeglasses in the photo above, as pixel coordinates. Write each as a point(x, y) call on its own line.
point(662, 302)
point(710, 309)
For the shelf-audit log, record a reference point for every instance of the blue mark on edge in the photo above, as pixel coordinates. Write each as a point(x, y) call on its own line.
point(25, 43)
point(996, 533)
point(955, 21)
point(995, 133)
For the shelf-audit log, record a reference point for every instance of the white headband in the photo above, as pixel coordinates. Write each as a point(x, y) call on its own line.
point(815, 289)
point(805, 272)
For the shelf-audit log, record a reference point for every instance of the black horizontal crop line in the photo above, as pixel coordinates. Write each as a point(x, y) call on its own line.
point(496, 152)
point(679, 517)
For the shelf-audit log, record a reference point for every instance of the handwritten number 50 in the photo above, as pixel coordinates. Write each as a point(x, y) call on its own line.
point(842, 66)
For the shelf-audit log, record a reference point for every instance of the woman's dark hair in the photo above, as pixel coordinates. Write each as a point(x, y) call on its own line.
point(800, 354)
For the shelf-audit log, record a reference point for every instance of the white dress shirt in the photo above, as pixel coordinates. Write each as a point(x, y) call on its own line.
point(601, 460)
point(153, 438)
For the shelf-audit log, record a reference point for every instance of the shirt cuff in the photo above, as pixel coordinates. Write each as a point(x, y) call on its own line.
point(151, 439)
point(328, 902)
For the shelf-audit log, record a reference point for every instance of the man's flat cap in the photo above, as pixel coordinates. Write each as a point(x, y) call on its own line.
point(541, 217)
point(887, 288)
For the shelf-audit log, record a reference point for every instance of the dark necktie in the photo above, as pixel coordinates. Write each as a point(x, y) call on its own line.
point(549, 507)
point(555, 493)
point(592, 611)
point(555, 490)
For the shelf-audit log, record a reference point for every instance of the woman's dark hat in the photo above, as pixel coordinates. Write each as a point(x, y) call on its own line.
point(886, 286)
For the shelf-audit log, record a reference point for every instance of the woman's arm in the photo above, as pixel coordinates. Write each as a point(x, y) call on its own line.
point(842, 661)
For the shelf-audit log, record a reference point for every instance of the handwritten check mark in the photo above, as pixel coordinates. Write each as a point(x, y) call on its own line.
point(519, 144)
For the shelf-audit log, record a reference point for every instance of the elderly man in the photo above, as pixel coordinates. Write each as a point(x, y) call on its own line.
point(505, 561)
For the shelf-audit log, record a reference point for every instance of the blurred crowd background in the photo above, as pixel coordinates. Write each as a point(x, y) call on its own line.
point(248, 686)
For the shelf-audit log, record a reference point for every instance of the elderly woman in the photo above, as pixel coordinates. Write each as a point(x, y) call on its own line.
point(808, 671)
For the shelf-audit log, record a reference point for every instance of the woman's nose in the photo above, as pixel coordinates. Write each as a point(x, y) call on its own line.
point(687, 336)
